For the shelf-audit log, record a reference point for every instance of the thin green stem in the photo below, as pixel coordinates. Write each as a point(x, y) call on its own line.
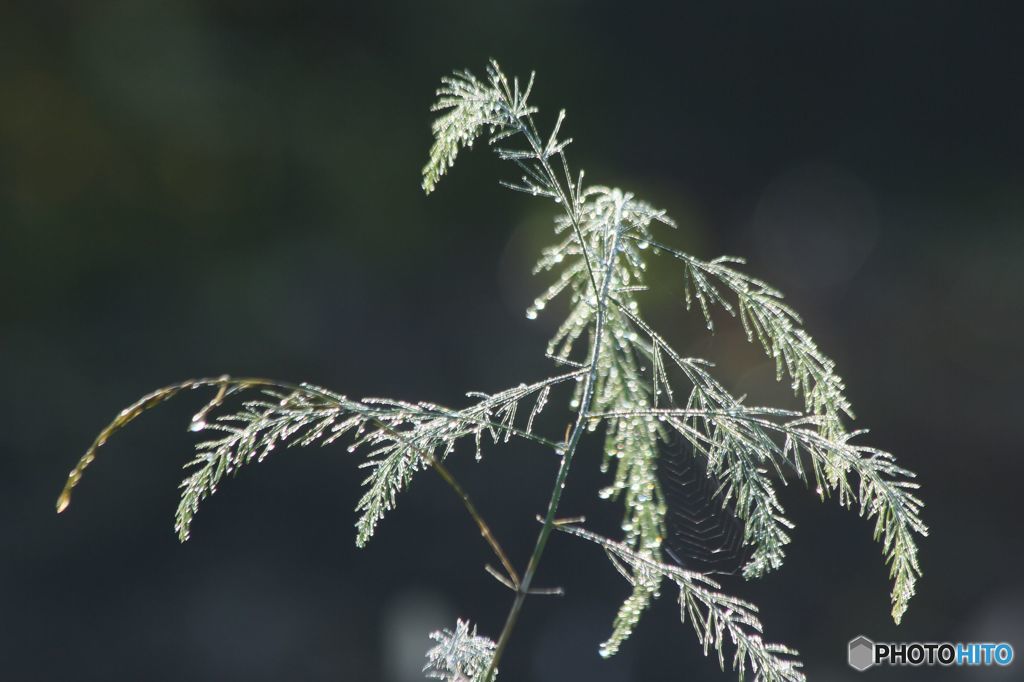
point(485, 530)
point(567, 199)
point(582, 416)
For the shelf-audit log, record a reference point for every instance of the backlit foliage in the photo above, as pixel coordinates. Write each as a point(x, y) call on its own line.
point(628, 383)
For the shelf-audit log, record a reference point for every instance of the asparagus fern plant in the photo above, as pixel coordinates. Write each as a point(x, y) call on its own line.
point(627, 383)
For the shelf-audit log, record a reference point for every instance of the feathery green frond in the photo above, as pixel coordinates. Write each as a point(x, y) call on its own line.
point(717, 618)
point(299, 417)
point(401, 438)
point(470, 106)
point(460, 655)
point(882, 490)
point(645, 589)
point(772, 323)
point(409, 436)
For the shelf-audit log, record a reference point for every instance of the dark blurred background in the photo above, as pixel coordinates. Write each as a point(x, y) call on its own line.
point(197, 188)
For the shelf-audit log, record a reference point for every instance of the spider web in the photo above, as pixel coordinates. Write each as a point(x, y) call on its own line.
point(701, 534)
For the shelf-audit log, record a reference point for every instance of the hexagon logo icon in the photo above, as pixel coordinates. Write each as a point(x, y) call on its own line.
point(862, 653)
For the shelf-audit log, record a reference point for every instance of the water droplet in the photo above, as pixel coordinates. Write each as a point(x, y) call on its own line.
point(197, 424)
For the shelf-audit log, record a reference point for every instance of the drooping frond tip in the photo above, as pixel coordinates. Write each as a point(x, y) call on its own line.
point(470, 106)
point(129, 414)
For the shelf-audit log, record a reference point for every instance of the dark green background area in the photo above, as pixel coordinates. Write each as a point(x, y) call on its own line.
point(198, 188)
